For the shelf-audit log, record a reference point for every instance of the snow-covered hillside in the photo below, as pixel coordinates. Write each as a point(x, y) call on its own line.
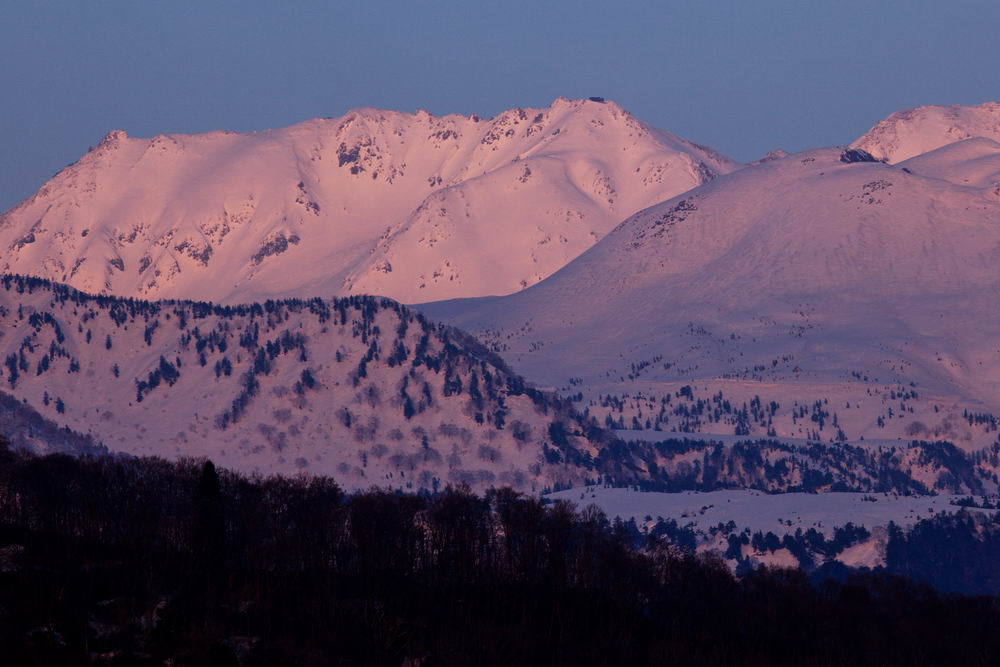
point(25, 428)
point(372, 393)
point(410, 206)
point(909, 133)
point(359, 388)
point(856, 296)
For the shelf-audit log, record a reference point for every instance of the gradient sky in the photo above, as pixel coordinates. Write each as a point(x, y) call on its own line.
point(742, 76)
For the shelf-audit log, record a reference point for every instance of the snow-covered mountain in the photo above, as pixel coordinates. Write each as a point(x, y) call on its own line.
point(822, 296)
point(858, 297)
point(360, 388)
point(909, 133)
point(410, 206)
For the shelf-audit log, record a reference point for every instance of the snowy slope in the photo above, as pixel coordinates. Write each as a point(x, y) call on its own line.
point(906, 134)
point(865, 287)
point(781, 513)
point(974, 162)
point(410, 206)
point(368, 391)
point(26, 429)
point(360, 388)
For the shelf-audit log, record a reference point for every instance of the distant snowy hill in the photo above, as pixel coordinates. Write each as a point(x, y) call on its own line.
point(857, 297)
point(906, 134)
point(410, 206)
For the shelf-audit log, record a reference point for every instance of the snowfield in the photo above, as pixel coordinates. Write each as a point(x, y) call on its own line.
point(780, 513)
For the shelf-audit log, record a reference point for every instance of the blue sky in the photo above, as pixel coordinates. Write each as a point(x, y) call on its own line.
point(741, 76)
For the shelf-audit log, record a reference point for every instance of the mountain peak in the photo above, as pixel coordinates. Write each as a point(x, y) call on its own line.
point(112, 138)
point(905, 134)
point(558, 104)
point(115, 135)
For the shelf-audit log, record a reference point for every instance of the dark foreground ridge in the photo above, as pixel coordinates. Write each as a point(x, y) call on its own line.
point(123, 561)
